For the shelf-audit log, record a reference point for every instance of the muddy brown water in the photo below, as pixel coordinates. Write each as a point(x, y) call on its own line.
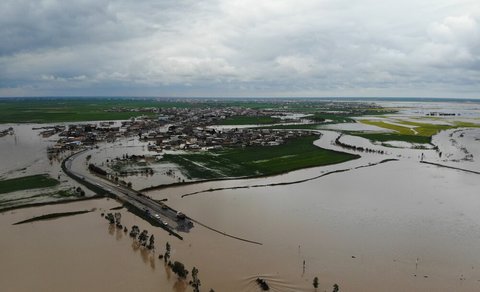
point(362, 229)
point(398, 226)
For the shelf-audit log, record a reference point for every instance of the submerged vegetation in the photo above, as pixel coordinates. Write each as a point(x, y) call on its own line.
point(52, 216)
point(26, 183)
point(383, 137)
point(409, 128)
point(10, 202)
point(408, 131)
point(257, 161)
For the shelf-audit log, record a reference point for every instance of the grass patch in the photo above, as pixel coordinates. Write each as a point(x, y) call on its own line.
point(51, 216)
point(53, 110)
point(334, 118)
point(420, 129)
point(246, 120)
point(383, 137)
point(425, 129)
point(255, 161)
point(397, 128)
point(26, 183)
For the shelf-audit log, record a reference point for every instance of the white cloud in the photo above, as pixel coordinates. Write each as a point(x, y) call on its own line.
point(240, 47)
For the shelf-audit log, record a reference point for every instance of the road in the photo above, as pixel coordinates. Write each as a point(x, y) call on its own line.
point(156, 213)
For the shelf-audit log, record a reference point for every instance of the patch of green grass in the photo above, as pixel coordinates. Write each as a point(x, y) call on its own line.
point(397, 128)
point(246, 120)
point(425, 129)
point(255, 161)
point(461, 124)
point(26, 183)
point(420, 129)
point(333, 118)
point(66, 110)
point(52, 216)
point(383, 137)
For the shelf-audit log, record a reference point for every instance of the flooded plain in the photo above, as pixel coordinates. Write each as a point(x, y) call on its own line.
point(370, 231)
point(401, 225)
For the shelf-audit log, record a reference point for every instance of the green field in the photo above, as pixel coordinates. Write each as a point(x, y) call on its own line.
point(333, 118)
point(258, 161)
point(53, 110)
point(26, 183)
point(63, 110)
point(246, 120)
point(419, 129)
point(75, 109)
point(383, 137)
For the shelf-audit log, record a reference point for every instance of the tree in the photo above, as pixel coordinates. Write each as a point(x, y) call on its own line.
point(179, 269)
point(336, 288)
point(151, 243)
point(167, 252)
point(315, 282)
point(195, 281)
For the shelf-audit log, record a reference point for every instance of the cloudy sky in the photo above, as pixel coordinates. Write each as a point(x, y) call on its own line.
point(427, 48)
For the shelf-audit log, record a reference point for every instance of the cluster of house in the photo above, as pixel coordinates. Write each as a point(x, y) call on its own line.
point(197, 138)
point(74, 135)
point(210, 116)
point(172, 128)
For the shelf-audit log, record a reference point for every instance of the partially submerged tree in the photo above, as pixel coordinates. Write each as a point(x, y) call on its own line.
point(166, 257)
point(179, 269)
point(142, 238)
point(336, 288)
point(195, 281)
point(315, 282)
point(151, 242)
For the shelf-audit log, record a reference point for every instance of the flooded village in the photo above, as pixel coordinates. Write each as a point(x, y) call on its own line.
point(380, 217)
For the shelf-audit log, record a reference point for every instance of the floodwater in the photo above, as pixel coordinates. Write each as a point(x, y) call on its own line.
point(78, 253)
point(25, 149)
point(357, 234)
point(133, 146)
point(395, 226)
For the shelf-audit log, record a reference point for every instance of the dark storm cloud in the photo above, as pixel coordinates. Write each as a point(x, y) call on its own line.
point(246, 47)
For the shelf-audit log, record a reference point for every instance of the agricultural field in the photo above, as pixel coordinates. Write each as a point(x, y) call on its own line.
point(62, 110)
point(38, 189)
point(258, 161)
point(408, 131)
point(27, 183)
point(383, 137)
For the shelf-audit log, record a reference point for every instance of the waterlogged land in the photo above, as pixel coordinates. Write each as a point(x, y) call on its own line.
point(381, 222)
point(34, 190)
